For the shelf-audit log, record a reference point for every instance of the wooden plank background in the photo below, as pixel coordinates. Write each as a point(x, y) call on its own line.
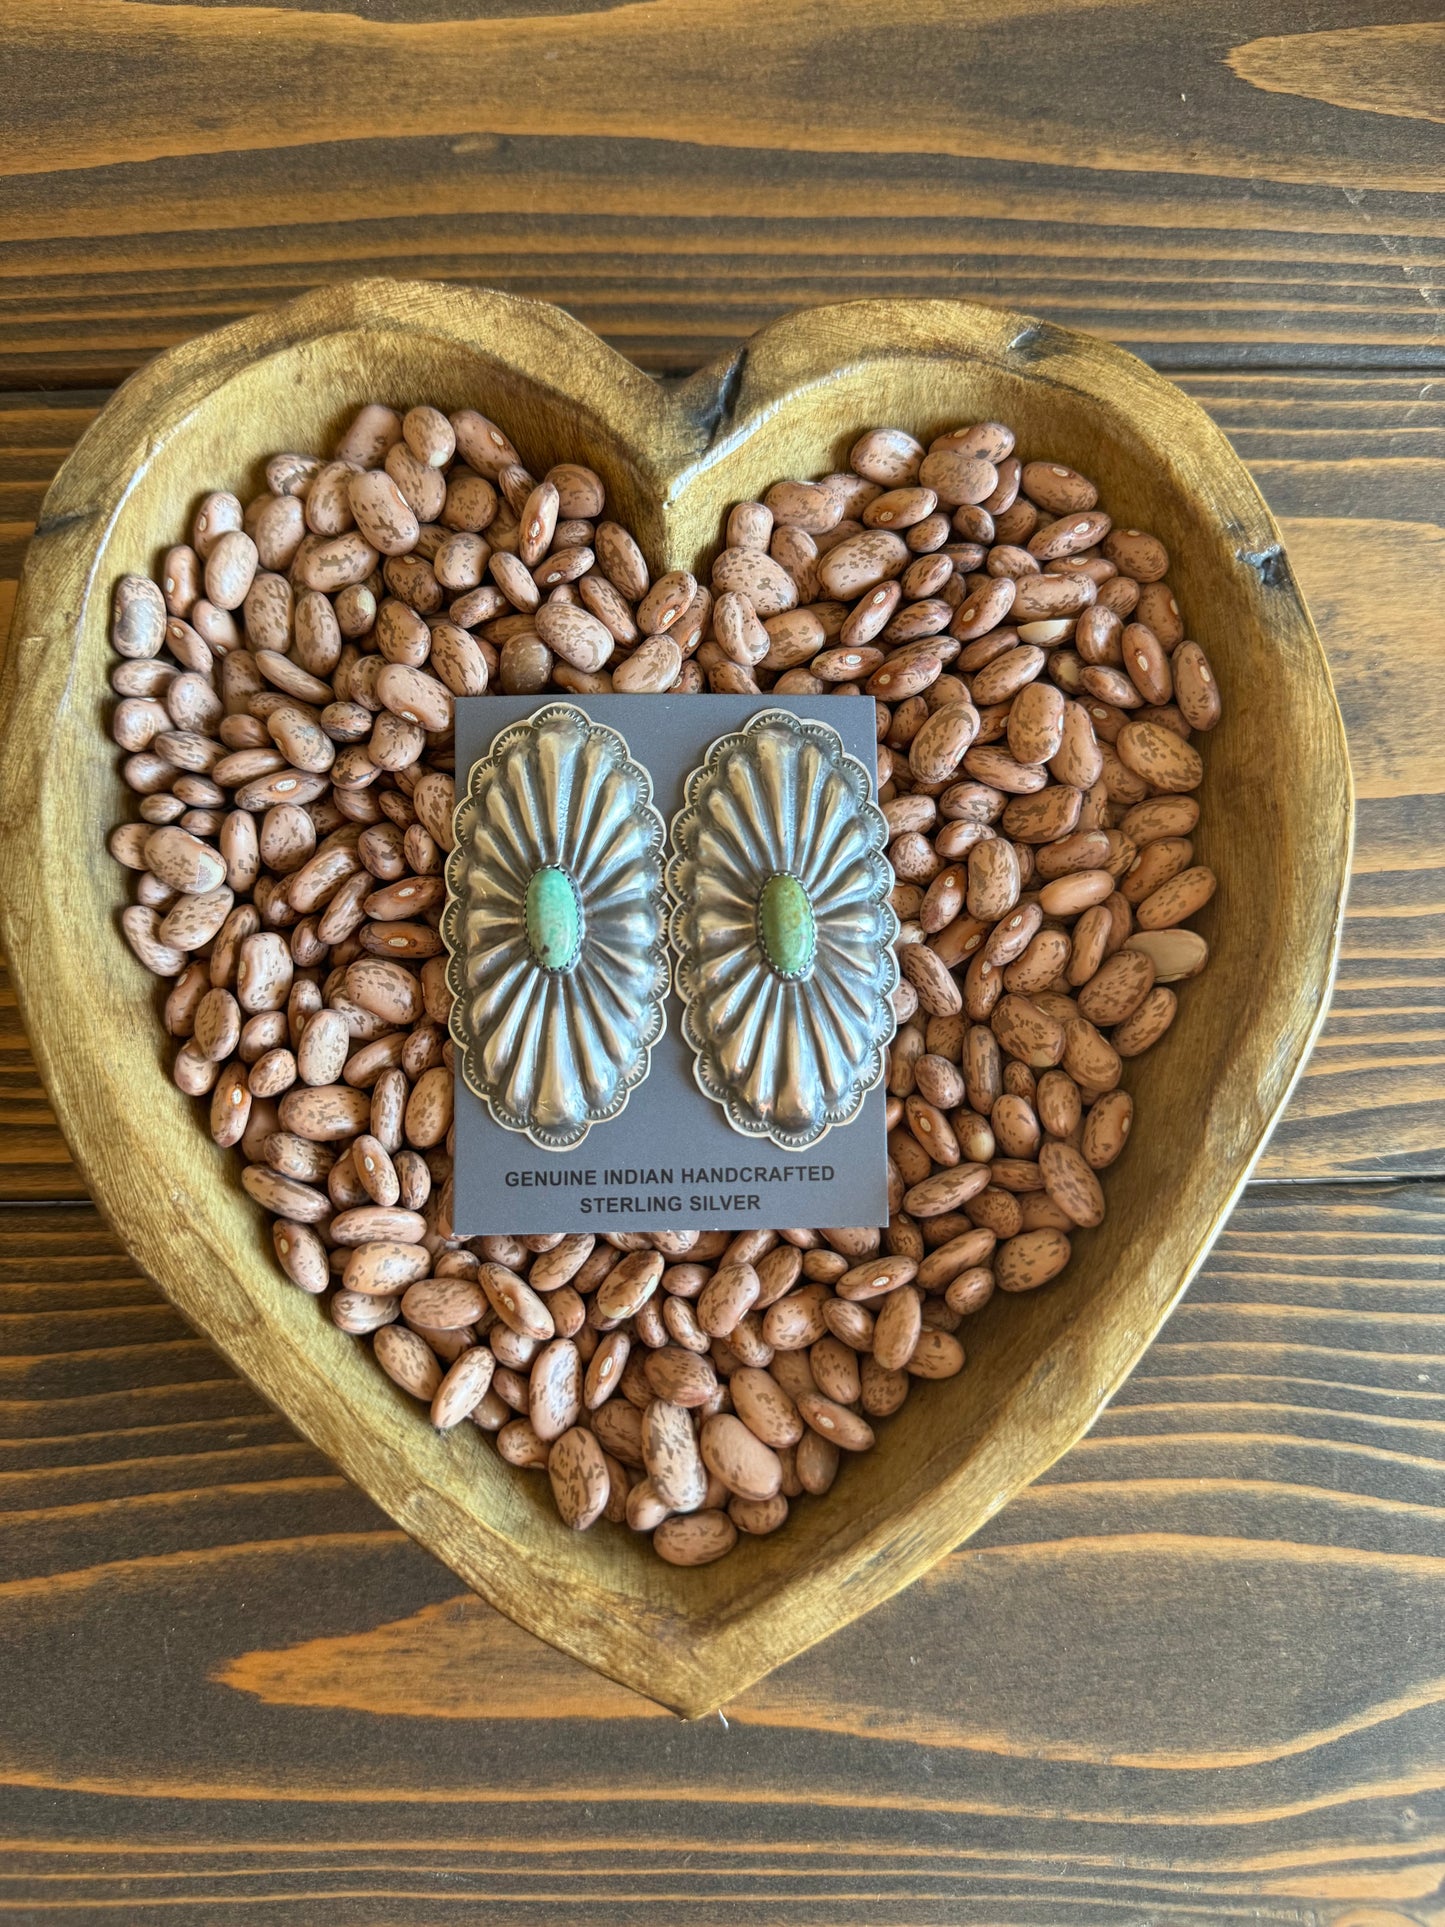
point(1195, 1673)
point(1250, 183)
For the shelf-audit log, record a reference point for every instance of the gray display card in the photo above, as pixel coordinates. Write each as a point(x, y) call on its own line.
point(670, 1161)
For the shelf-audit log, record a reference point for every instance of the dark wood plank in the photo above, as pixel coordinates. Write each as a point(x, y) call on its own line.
point(35, 1161)
point(1355, 467)
point(1192, 1674)
point(1250, 182)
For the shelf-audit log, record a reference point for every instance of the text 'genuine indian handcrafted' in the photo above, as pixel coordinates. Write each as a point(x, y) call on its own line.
point(556, 927)
point(783, 931)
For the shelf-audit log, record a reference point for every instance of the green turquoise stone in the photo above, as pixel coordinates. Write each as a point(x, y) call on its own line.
point(786, 928)
point(554, 918)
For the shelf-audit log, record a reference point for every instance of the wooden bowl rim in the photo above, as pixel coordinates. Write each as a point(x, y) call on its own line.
point(674, 1636)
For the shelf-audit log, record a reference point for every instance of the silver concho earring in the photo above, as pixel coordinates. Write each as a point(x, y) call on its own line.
point(556, 927)
point(782, 929)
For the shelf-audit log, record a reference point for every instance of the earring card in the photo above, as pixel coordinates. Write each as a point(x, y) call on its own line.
point(670, 1159)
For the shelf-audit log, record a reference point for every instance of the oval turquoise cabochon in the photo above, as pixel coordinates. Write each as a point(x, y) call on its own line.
point(554, 917)
point(786, 926)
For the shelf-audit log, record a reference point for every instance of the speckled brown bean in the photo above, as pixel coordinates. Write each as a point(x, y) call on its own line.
point(519, 1445)
point(627, 1287)
point(946, 1190)
point(955, 477)
point(672, 1457)
point(1027, 1032)
point(946, 1261)
point(860, 562)
point(737, 630)
point(323, 1049)
point(574, 635)
point(993, 879)
point(1136, 554)
point(970, 1291)
point(138, 618)
point(605, 1369)
point(678, 1375)
point(897, 1328)
point(937, 988)
point(183, 862)
point(1195, 690)
point(1070, 1182)
point(1146, 1025)
point(747, 1467)
point(1177, 899)
point(757, 1517)
point(1089, 1057)
point(1146, 663)
point(1118, 988)
point(876, 1277)
point(939, 747)
point(645, 1507)
point(796, 1320)
point(360, 1315)
point(887, 457)
point(408, 1361)
point(1031, 1259)
point(554, 1391)
point(577, 1470)
point(695, 1539)
point(1106, 1129)
point(937, 1354)
point(765, 1408)
point(515, 1303)
point(1044, 597)
point(769, 588)
point(325, 1113)
point(1160, 757)
point(1057, 488)
point(301, 1254)
point(815, 1462)
point(429, 1108)
point(442, 1304)
point(1154, 865)
point(835, 1423)
point(383, 514)
point(463, 1388)
point(1058, 1103)
point(731, 1292)
point(652, 667)
point(1069, 896)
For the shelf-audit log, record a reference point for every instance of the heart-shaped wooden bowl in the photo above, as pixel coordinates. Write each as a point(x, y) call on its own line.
point(1276, 828)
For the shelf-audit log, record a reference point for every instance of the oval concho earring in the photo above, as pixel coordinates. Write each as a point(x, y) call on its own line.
point(783, 930)
point(556, 927)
